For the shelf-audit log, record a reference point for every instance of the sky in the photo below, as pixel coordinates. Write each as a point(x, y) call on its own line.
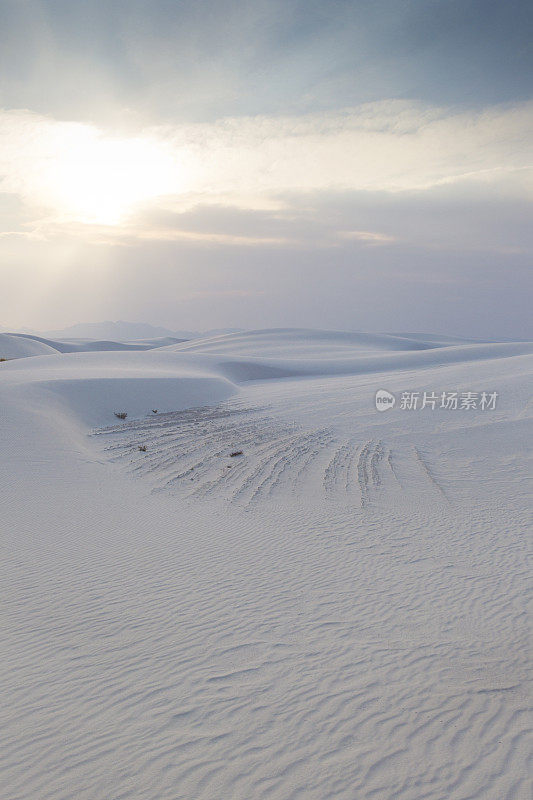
point(355, 165)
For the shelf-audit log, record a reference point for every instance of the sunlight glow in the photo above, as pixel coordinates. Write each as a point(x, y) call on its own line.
point(101, 180)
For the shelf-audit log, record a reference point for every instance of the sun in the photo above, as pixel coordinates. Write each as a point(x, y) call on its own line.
point(102, 180)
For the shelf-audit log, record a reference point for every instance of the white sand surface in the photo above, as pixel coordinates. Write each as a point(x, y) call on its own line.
point(26, 344)
point(338, 612)
point(12, 346)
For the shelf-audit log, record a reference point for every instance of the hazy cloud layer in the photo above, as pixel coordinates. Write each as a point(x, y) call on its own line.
point(391, 146)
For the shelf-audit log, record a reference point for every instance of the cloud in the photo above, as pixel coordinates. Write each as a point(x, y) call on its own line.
point(385, 146)
point(371, 237)
point(384, 216)
point(68, 172)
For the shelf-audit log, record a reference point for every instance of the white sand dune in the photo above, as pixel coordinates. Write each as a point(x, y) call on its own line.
point(12, 346)
point(298, 343)
point(338, 612)
point(25, 343)
point(95, 383)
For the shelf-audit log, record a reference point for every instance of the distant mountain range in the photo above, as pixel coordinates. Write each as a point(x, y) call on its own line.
point(122, 331)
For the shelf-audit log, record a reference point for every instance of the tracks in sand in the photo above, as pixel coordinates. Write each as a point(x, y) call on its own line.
point(189, 452)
